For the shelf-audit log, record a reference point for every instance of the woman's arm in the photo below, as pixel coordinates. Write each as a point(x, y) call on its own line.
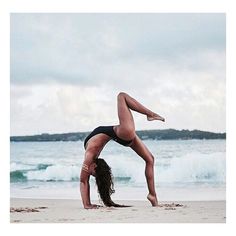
point(85, 194)
point(85, 191)
point(84, 182)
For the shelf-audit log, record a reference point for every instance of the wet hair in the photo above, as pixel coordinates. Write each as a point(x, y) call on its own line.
point(104, 181)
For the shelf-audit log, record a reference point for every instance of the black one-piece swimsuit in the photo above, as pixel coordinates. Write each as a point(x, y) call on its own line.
point(108, 130)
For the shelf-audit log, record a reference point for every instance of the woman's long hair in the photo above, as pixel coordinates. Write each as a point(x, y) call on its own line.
point(104, 181)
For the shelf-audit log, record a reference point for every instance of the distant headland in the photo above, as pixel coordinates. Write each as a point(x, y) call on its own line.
point(164, 134)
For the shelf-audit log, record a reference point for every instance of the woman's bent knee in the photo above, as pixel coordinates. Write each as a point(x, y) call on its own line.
point(150, 160)
point(121, 95)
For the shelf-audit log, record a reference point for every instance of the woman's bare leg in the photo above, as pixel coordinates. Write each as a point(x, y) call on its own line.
point(139, 147)
point(126, 128)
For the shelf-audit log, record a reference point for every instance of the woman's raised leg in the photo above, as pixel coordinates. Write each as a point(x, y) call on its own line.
point(126, 128)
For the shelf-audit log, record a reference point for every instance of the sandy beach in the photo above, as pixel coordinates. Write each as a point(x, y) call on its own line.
point(71, 211)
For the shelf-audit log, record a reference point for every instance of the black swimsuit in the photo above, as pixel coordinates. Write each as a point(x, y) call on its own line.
point(108, 130)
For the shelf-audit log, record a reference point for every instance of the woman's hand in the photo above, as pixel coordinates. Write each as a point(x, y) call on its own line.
point(92, 206)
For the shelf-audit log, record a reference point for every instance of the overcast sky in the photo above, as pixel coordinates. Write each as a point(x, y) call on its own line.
point(66, 70)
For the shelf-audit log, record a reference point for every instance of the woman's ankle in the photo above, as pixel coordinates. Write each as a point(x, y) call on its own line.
point(153, 199)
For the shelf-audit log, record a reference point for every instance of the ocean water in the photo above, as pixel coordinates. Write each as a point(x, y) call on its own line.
point(184, 170)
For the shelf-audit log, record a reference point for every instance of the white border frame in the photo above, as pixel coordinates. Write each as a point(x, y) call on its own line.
point(68, 6)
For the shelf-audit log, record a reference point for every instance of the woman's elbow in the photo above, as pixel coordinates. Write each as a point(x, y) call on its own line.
point(83, 181)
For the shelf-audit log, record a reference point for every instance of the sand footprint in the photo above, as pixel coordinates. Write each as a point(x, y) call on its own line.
point(171, 206)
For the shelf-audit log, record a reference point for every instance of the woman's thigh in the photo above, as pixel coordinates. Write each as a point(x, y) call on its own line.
point(126, 127)
point(140, 148)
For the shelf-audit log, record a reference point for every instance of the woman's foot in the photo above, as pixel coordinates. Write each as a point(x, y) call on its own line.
point(152, 199)
point(155, 116)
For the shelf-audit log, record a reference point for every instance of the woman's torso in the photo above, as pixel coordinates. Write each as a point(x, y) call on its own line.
point(101, 135)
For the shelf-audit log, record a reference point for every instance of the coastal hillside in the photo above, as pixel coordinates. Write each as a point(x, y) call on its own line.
point(164, 134)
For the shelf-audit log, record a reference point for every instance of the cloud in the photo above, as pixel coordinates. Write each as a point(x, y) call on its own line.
point(75, 48)
point(66, 69)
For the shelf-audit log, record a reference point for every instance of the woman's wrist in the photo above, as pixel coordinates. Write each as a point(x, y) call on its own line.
point(91, 206)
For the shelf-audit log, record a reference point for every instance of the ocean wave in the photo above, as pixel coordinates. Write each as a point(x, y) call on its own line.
point(190, 168)
point(55, 173)
point(17, 176)
point(195, 168)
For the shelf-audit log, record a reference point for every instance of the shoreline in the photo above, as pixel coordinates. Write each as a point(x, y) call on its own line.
point(68, 191)
point(27, 210)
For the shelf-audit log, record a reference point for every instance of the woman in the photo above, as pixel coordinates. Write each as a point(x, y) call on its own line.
point(124, 134)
